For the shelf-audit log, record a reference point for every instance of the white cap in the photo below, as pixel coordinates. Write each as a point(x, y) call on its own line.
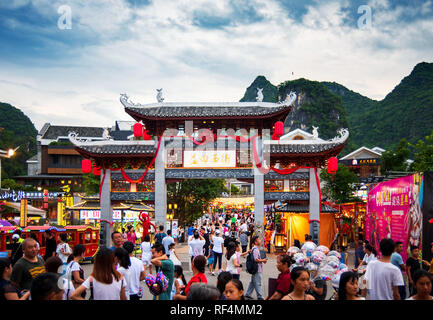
point(15, 236)
point(226, 234)
point(217, 231)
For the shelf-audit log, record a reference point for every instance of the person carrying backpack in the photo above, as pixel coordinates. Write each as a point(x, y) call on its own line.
point(254, 267)
point(161, 235)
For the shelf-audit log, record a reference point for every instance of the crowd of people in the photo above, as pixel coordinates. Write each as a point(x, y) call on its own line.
point(220, 245)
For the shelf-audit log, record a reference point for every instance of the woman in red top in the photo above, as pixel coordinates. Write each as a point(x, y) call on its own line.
point(283, 281)
point(198, 268)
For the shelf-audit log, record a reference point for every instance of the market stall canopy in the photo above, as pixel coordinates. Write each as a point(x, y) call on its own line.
point(234, 201)
point(30, 209)
point(5, 223)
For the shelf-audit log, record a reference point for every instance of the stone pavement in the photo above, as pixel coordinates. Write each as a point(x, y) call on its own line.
point(269, 271)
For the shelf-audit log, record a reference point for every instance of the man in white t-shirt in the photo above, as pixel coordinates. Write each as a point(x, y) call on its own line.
point(166, 241)
point(196, 244)
point(244, 227)
point(218, 248)
point(137, 272)
point(383, 278)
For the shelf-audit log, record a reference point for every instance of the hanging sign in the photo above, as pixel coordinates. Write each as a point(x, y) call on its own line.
point(209, 159)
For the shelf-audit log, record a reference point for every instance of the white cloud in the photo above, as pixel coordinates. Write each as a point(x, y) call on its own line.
point(158, 45)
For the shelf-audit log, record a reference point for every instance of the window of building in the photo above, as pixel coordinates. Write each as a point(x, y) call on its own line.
point(299, 185)
point(146, 186)
point(120, 186)
point(274, 185)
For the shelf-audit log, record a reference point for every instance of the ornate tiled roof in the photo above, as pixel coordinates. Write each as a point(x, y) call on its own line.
point(53, 132)
point(300, 148)
point(303, 208)
point(173, 110)
point(116, 149)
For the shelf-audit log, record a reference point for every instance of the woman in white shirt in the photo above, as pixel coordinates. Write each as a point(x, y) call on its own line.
point(218, 245)
point(63, 250)
point(123, 262)
point(233, 256)
point(105, 282)
point(370, 255)
point(146, 252)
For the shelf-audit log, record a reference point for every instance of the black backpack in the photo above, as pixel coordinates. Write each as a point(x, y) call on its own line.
point(252, 265)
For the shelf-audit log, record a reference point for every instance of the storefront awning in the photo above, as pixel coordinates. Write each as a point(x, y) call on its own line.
point(31, 211)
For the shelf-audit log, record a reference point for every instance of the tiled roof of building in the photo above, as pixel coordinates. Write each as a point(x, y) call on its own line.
point(53, 132)
point(301, 148)
point(111, 149)
point(297, 208)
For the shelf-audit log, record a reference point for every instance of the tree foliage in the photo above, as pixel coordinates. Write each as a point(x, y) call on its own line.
point(339, 187)
point(16, 129)
point(423, 156)
point(193, 196)
point(91, 184)
point(395, 160)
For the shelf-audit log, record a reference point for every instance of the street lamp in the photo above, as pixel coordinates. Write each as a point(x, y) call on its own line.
point(6, 154)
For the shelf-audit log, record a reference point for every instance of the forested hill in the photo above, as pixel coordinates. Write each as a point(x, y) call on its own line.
point(315, 105)
point(406, 112)
point(16, 129)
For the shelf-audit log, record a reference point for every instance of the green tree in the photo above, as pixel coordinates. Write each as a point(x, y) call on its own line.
point(193, 196)
point(423, 156)
point(395, 160)
point(234, 190)
point(339, 187)
point(91, 184)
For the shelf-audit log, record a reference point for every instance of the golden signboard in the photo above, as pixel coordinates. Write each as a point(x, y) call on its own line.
point(209, 159)
point(23, 213)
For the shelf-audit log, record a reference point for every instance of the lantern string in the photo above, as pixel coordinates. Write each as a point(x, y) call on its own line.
point(145, 172)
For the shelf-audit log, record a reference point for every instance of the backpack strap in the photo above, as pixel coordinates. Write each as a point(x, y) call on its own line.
point(91, 289)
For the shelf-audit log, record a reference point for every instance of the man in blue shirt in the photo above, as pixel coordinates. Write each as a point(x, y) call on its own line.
point(166, 241)
point(397, 260)
point(116, 238)
point(359, 253)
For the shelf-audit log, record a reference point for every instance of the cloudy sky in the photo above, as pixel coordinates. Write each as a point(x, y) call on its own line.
point(197, 50)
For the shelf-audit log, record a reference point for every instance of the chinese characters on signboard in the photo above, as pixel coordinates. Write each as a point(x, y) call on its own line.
point(210, 159)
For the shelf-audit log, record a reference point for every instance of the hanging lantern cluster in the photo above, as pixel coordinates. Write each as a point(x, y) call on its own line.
point(332, 165)
point(87, 167)
point(278, 130)
point(138, 130)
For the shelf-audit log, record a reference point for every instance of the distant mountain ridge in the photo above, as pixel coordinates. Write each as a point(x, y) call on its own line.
point(406, 112)
point(16, 129)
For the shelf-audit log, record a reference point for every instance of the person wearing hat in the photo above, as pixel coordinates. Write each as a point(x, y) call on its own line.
point(14, 249)
point(218, 249)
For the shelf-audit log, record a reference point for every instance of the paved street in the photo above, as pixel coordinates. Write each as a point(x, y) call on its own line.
point(269, 271)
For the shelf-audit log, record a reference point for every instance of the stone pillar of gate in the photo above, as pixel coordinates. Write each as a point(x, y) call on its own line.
point(160, 187)
point(259, 196)
point(314, 209)
point(106, 210)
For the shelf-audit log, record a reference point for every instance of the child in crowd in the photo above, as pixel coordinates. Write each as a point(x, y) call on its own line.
point(173, 255)
point(210, 259)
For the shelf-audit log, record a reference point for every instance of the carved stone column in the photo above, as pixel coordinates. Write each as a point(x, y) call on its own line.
point(259, 197)
point(160, 187)
point(106, 210)
point(314, 208)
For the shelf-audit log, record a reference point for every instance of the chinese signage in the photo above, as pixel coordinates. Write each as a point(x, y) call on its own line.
point(209, 159)
point(394, 212)
point(117, 215)
point(19, 195)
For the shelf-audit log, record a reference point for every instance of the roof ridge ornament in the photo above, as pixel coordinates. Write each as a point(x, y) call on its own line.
point(290, 98)
point(259, 97)
point(73, 137)
point(315, 133)
point(106, 134)
point(124, 99)
point(342, 135)
point(159, 96)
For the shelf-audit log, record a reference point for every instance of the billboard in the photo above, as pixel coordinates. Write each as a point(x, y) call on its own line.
point(394, 212)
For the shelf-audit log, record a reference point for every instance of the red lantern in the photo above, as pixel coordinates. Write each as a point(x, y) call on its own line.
point(275, 136)
point(86, 166)
point(138, 130)
point(279, 128)
point(96, 170)
point(332, 165)
point(146, 136)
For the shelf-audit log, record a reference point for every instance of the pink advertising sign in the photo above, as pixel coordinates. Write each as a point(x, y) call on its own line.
point(393, 211)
